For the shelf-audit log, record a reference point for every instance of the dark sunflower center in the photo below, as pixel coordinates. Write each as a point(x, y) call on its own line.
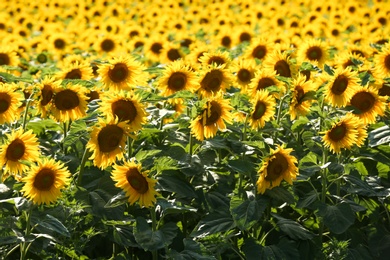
point(217, 60)
point(109, 138)
point(276, 167)
point(387, 62)
point(42, 58)
point(215, 113)
point(282, 68)
point(245, 37)
point(259, 52)
point(264, 83)
point(47, 94)
point(314, 53)
point(212, 81)
point(107, 45)
point(137, 181)
point(244, 75)
point(173, 54)
point(15, 150)
point(383, 91)
point(337, 133)
point(259, 111)
point(74, 74)
point(299, 93)
point(59, 44)
point(226, 41)
point(156, 48)
point(4, 59)
point(340, 84)
point(364, 101)
point(306, 73)
point(93, 95)
point(66, 100)
point(44, 180)
point(124, 110)
point(177, 81)
point(5, 102)
point(119, 73)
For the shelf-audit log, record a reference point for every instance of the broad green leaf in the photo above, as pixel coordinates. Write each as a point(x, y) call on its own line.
point(143, 154)
point(308, 199)
point(338, 218)
point(170, 207)
point(358, 186)
point(299, 123)
point(246, 213)
point(215, 143)
point(328, 70)
point(251, 249)
point(281, 194)
point(243, 166)
point(165, 163)
point(379, 136)
point(123, 235)
point(293, 229)
point(174, 183)
point(213, 223)
point(53, 224)
point(117, 200)
point(9, 240)
point(39, 126)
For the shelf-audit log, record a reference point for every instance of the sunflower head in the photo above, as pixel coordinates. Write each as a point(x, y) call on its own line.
point(213, 80)
point(10, 101)
point(368, 104)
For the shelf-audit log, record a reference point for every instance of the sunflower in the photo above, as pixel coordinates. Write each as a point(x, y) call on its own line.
point(76, 70)
point(197, 50)
point(10, 101)
point(135, 182)
point(216, 111)
point(214, 79)
point(281, 63)
point(171, 52)
point(369, 104)
point(45, 94)
point(341, 87)
point(382, 61)
point(342, 134)
point(124, 106)
point(107, 142)
point(264, 79)
point(122, 73)
point(44, 181)
point(153, 48)
point(348, 59)
point(60, 42)
point(300, 106)
point(69, 102)
point(259, 49)
point(8, 57)
point(278, 166)
point(107, 44)
point(215, 57)
point(244, 70)
point(177, 76)
point(263, 109)
point(313, 51)
point(20, 146)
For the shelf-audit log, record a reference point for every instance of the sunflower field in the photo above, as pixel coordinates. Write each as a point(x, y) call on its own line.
point(194, 129)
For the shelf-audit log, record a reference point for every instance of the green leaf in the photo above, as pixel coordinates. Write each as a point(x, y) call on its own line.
point(213, 223)
point(328, 70)
point(117, 200)
point(216, 143)
point(251, 249)
point(338, 218)
point(243, 166)
point(379, 136)
point(308, 199)
point(11, 78)
point(175, 183)
point(9, 240)
point(123, 235)
point(358, 186)
point(310, 95)
point(299, 123)
point(77, 130)
point(51, 223)
point(39, 126)
point(246, 213)
point(293, 229)
point(143, 154)
point(281, 194)
point(170, 207)
point(165, 163)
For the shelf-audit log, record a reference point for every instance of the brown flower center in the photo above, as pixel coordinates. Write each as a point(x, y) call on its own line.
point(74, 74)
point(299, 93)
point(276, 167)
point(306, 73)
point(226, 41)
point(212, 81)
point(283, 69)
point(259, 52)
point(44, 180)
point(156, 48)
point(215, 113)
point(387, 62)
point(244, 75)
point(383, 91)
point(314, 53)
point(59, 44)
point(217, 60)
point(259, 111)
point(5, 102)
point(363, 101)
point(107, 45)
point(137, 181)
point(4, 59)
point(173, 54)
point(177, 81)
point(340, 84)
point(93, 95)
point(124, 110)
point(47, 94)
point(66, 100)
point(119, 73)
point(264, 83)
point(338, 132)
point(109, 138)
point(245, 37)
point(42, 58)
point(15, 150)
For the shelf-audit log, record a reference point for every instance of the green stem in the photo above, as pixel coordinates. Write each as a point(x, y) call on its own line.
point(24, 245)
point(24, 123)
point(191, 152)
point(279, 114)
point(130, 144)
point(154, 227)
point(82, 166)
point(324, 189)
point(245, 128)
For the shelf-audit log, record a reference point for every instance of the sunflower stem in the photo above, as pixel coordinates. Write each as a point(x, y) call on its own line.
point(154, 227)
point(324, 190)
point(130, 144)
point(24, 245)
point(279, 114)
point(191, 143)
point(24, 123)
point(82, 166)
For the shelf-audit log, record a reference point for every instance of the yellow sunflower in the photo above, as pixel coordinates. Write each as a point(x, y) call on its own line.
point(216, 111)
point(135, 182)
point(107, 142)
point(76, 70)
point(313, 51)
point(44, 181)
point(45, 94)
point(124, 106)
point(300, 106)
point(263, 109)
point(259, 49)
point(213, 80)
point(216, 57)
point(244, 70)
point(341, 87)
point(8, 57)
point(278, 166)
point(369, 105)
point(264, 79)
point(122, 73)
point(69, 102)
point(382, 61)
point(177, 76)
point(20, 146)
point(342, 134)
point(281, 63)
point(10, 101)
